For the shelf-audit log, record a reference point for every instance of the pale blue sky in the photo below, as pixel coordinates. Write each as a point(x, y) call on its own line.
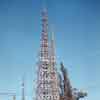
point(76, 24)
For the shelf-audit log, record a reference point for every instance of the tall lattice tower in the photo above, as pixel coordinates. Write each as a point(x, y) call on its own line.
point(46, 82)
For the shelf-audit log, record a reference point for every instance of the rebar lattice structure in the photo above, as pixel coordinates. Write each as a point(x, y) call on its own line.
point(53, 70)
point(47, 79)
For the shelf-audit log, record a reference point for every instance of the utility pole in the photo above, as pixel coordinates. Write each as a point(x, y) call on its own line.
point(23, 88)
point(14, 97)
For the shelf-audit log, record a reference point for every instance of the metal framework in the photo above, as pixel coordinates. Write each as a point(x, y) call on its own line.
point(47, 79)
point(54, 74)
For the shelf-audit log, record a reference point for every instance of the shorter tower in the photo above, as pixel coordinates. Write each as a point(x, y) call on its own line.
point(53, 70)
